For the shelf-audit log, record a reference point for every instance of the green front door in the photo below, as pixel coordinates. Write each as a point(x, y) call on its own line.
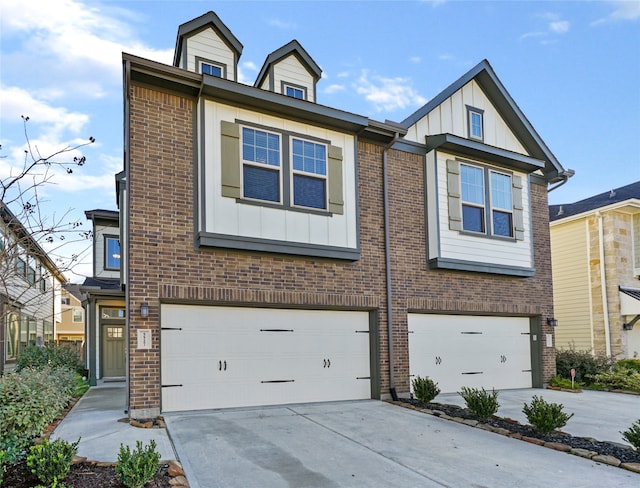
point(113, 350)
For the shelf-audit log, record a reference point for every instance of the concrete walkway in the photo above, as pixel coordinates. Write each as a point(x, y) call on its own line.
point(598, 414)
point(96, 420)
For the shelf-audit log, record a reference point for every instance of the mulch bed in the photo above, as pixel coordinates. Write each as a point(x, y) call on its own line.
point(83, 475)
point(624, 454)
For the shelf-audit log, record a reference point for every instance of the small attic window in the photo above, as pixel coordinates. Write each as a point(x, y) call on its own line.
point(294, 91)
point(475, 123)
point(213, 69)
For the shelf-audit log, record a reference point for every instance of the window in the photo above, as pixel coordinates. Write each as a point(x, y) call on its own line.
point(31, 275)
point(299, 173)
point(48, 332)
point(115, 332)
point(475, 123)
point(294, 92)
point(65, 301)
point(261, 165)
point(43, 283)
point(112, 313)
point(112, 255)
point(473, 208)
point(474, 181)
point(309, 174)
point(210, 69)
point(21, 267)
point(77, 315)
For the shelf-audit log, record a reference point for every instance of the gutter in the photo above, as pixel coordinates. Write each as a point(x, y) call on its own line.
point(387, 256)
point(603, 286)
point(563, 177)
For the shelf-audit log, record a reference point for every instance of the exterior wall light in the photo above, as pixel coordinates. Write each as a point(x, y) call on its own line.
point(552, 322)
point(144, 309)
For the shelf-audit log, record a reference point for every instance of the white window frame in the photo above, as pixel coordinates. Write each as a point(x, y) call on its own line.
point(499, 209)
point(73, 315)
point(471, 111)
point(310, 175)
point(244, 162)
point(488, 206)
point(202, 62)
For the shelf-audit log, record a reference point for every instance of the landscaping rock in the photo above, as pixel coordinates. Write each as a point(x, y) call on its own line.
point(635, 467)
point(179, 481)
point(533, 440)
point(78, 459)
point(558, 446)
point(604, 459)
point(175, 470)
point(585, 453)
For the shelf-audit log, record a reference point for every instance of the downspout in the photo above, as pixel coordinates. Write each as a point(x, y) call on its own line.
point(603, 286)
point(125, 263)
point(387, 256)
point(564, 177)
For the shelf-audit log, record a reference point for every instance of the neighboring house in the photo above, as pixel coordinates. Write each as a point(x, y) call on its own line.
point(595, 249)
point(71, 326)
point(30, 285)
point(276, 250)
point(105, 333)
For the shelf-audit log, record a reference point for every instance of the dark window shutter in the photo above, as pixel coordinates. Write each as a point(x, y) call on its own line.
point(518, 214)
point(453, 194)
point(230, 159)
point(336, 198)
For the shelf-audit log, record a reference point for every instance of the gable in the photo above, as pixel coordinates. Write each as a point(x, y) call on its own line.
point(450, 117)
point(290, 70)
point(208, 46)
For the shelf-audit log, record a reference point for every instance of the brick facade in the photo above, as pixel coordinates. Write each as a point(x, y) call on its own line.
point(164, 265)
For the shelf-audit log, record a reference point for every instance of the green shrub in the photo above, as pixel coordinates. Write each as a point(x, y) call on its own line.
point(632, 435)
point(51, 461)
point(136, 468)
point(586, 364)
point(480, 401)
point(425, 389)
point(561, 382)
point(623, 379)
point(633, 364)
point(52, 355)
point(4, 458)
point(544, 416)
point(29, 401)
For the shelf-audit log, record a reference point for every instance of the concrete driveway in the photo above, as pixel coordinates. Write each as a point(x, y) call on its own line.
point(366, 444)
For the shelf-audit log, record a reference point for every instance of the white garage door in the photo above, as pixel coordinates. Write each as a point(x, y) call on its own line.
point(472, 351)
point(217, 357)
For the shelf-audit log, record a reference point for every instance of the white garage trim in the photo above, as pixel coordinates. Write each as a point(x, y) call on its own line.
point(217, 357)
point(474, 351)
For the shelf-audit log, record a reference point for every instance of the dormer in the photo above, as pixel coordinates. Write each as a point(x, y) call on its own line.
point(290, 71)
point(205, 45)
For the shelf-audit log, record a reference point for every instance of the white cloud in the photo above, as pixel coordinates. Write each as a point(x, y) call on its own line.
point(388, 94)
point(335, 88)
point(415, 59)
point(554, 26)
point(622, 10)
point(75, 39)
point(282, 24)
point(54, 121)
point(559, 26)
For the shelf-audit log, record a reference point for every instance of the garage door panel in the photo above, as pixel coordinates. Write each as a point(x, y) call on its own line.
point(473, 351)
point(228, 357)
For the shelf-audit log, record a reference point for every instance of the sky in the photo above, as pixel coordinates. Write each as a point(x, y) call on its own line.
point(573, 68)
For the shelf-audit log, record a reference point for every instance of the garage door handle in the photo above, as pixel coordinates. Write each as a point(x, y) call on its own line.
point(474, 372)
point(438, 360)
point(327, 363)
point(278, 381)
point(222, 365)
point(276, 330)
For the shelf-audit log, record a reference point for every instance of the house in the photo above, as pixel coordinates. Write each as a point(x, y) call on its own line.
point(70, 329)
point(595, 250)
point(105, 332)
point(277, 250)
point(29, 291)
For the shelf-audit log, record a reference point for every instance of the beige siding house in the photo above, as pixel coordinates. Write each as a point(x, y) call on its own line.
point(595, 252)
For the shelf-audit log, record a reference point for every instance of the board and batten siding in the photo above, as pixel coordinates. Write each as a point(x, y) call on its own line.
point(450, 117)
point(223, 215)
point(571, 296)
point(479, 249)
point(208, 45)
point(99, 252)
point(291, 70)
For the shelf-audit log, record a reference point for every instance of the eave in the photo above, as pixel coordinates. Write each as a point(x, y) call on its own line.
point(477, 150)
